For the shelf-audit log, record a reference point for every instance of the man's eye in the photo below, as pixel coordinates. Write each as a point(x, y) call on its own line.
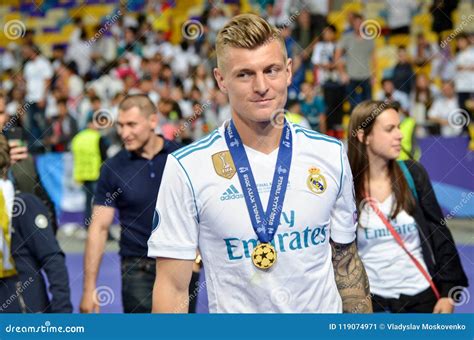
point(273, 71)
point(242, 75)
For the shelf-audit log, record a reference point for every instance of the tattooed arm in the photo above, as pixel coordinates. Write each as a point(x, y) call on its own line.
point(351, 278)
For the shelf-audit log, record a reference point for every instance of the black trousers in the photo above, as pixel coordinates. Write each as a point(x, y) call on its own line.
point(138, 278)
point(423, 302)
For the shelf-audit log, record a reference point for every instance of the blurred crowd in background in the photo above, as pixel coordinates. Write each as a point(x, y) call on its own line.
point(419, 54)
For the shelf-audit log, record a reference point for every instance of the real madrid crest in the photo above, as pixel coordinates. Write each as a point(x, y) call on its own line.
point(223, 164)
point(316, 181)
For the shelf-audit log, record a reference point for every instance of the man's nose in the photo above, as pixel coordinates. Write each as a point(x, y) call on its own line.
point(260, 84)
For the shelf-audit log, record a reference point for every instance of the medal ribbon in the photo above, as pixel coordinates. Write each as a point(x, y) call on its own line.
point(265, 224)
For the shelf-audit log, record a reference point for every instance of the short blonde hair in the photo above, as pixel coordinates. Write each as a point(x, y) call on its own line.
point(247, 31)
point(141, 101)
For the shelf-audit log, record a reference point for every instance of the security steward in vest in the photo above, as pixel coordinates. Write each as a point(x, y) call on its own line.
point(89, 149)
point(128, 182)
point(30, 247)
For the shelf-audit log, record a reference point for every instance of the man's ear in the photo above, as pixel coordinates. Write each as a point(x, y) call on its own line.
point(289, 70)
point(154, 120)
point(220, 79)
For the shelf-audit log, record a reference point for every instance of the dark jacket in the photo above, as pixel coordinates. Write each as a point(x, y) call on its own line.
point(439, 251)
point(25, 178)
point(35, 249)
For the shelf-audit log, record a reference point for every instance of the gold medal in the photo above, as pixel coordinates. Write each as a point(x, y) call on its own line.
point(264, 256)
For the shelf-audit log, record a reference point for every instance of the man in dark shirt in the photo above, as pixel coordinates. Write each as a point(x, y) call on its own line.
point(128, 182)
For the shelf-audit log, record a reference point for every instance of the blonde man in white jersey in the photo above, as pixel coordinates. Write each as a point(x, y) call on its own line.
point(270, 206)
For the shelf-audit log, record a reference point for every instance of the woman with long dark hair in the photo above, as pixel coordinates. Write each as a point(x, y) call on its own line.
point(408, 252)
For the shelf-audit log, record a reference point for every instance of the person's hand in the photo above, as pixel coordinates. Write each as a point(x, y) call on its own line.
point(444, 306)
point(17, 151)
point(345, 78)
point(89, 302)
point(372, 81)
point(54, 139)
point(42, 104)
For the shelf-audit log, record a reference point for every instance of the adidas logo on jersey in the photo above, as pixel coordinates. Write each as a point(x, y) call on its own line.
point(231, 194)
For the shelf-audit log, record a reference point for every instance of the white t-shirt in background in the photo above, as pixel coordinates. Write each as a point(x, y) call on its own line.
point(390, 270)
point(36, 72)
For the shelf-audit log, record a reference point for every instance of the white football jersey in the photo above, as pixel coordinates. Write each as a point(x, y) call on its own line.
point(200, 205)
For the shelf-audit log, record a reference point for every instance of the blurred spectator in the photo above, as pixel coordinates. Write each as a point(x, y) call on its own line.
point(389, 94)
point(409, 147)
point(305, 34)
point(79, 49)
point(201, 78)
point(323, 57)
point(443, 65)
point(28, 37)
point(328, 77)
point(312, 108)
point(58, 56)
point(184, 58)
point(422, 51)
point(443, 107)
point(185, 105)
point(146, 87)
point(89, 149)
point(356, 71)
point(295, 116)
point(95, 109)
point(442, 11)
point(422, 98)
point(403, 75)
point(104, 48)
point(37, 73)
point(16, 105)
point(169, 118)
point(223, 108)
point(215, 21)
point(129, 43)
point(63, 128)
point(7, 58)
point(464, 79)
point(306, 30)
point(399, 14)
point(70, 84)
